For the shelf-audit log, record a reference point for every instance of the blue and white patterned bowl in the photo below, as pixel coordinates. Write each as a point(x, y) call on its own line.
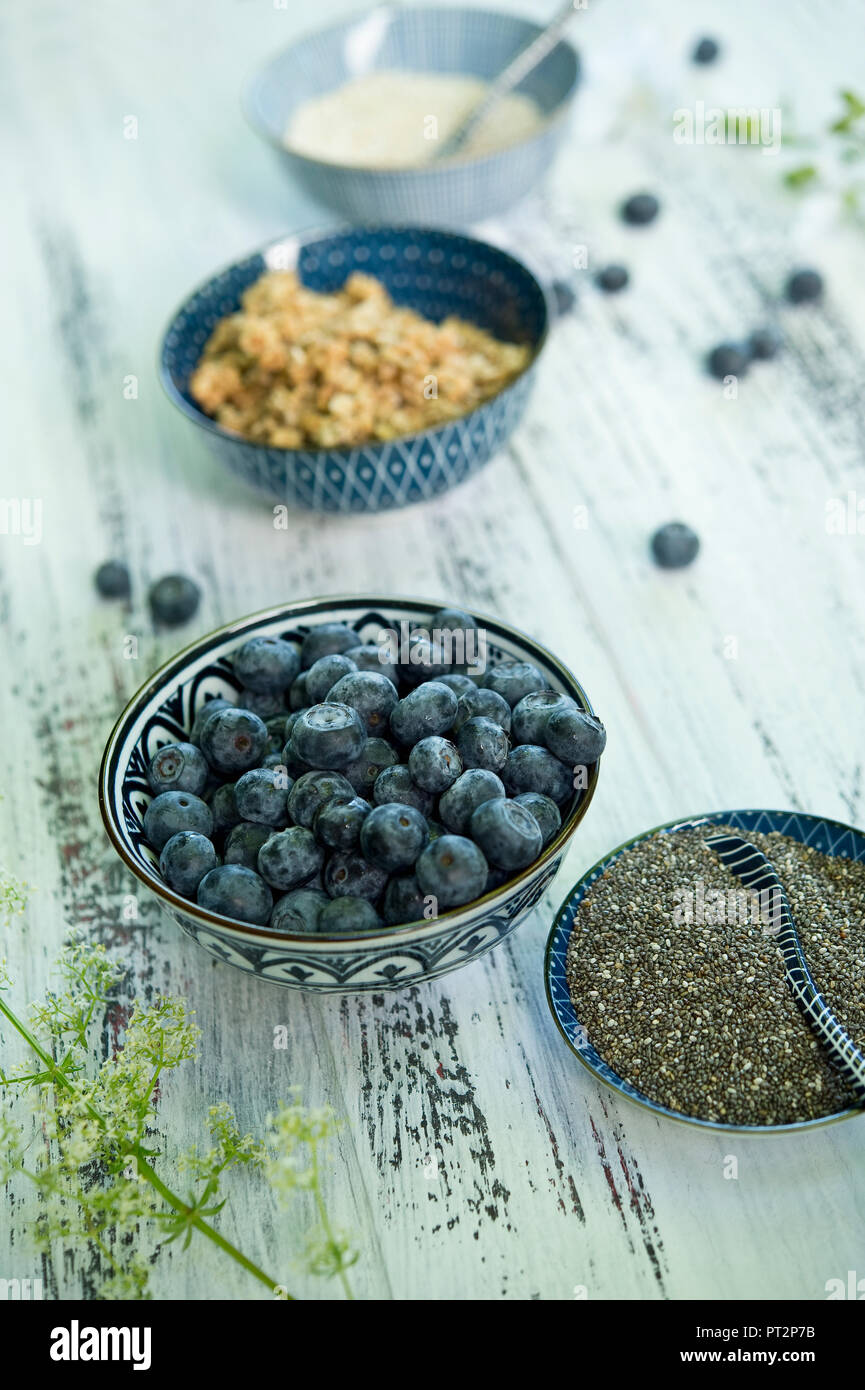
point(828, 836)
point(162, 712)
point(435, 272)
point(425, 39)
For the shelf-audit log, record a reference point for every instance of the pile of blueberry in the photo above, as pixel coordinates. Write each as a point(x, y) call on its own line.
point(344, 792)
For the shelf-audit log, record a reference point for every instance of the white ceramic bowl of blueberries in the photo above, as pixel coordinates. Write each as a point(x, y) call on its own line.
point(351, 793)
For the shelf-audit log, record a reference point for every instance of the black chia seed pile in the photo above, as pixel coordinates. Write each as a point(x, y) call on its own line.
point(698, 1016)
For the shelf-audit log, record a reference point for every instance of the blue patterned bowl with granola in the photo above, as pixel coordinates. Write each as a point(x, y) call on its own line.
point(435, 273)
point(384, 957)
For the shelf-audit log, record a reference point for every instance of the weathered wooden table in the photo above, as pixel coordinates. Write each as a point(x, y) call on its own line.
point(478, 1159)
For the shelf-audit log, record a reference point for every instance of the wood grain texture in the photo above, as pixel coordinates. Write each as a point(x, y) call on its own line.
point(477, 1159)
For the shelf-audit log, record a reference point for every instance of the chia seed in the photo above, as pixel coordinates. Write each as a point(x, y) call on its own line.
point(698, 1015)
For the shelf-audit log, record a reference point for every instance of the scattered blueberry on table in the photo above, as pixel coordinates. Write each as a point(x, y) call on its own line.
point(804, 287)
point(112, 580)
point(173, 599)
point(706, 51)
point(612, 278)
point(675, 545)
point(640, 209)
point(360, 794)
point(764, 343)
point(728, 359)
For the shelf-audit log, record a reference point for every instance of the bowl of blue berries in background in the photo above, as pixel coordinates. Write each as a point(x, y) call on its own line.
point(437, 274)
point(413, 41)
point(351, 793)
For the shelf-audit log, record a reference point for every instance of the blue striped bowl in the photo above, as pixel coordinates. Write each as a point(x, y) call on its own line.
point(828, 836)
point(428, 39)
point(435, 272)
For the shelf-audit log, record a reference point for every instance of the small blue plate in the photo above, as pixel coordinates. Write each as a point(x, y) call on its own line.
point(828, 836)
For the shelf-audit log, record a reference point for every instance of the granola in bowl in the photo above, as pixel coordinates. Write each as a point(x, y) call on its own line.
point(298, 369)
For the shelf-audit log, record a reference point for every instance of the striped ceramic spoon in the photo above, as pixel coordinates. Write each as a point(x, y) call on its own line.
point(754, 869)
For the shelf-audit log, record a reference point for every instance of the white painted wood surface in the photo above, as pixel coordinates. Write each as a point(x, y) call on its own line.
point(540, 1181)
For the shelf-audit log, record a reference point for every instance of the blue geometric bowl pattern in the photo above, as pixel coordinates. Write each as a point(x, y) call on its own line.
point(828, 836)
point(162, 712)
point(435, 272)
point(425, 39)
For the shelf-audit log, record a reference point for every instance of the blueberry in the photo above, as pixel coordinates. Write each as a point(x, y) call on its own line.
point(244, 842)
point(173, 599)
point(728, 359)
point(298, 911)
point(328, 736)
point(429, 709)
point(371, 694)
point(392, 836)
point(576, 737)
point(275, 763)
point(178, 767)
point(804, 286)
point(290, 857)
point(434, 829)
point(495, 879)
point(372, 658)
point(564, 297)
point(545, 812)
point(278, 732)
point(375, 756)
point(764, 344)
point(339, 821)
point(223, 808)
point(612, 278)
point(533, 711)
point(706, 51)
point(324, 674)
point(267, 664)
point(514, 679)
point(297, 693)
point(452, 620)
point(348, 875)
point(434, 764)
point(325, 639)
point(482, 744)
point(294, 766)
point(403, 901)
point(530, 768)
point(233, 740)
point(311, 791)
point(481, 703)
point(459, 684)
point(171, 812)
point(261, 796)
point(348, 914)
point(674, 545)
point(640, 209)
point(207, 709)
point(459, 802)
point(453, 870)
point(235, 891)
point(265, 706)
point(397, 784)
point(425, 660)
point(508, 834)
point(112, 580)
point(184, 861)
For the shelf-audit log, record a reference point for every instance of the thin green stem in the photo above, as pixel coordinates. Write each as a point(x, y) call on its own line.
point(325, 1222)
point(144, 1168)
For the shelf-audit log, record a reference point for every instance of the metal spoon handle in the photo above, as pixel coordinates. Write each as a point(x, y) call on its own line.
point(510, 77)
point(751, 866)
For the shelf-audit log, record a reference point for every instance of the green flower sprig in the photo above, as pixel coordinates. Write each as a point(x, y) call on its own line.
point(95, 1174)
